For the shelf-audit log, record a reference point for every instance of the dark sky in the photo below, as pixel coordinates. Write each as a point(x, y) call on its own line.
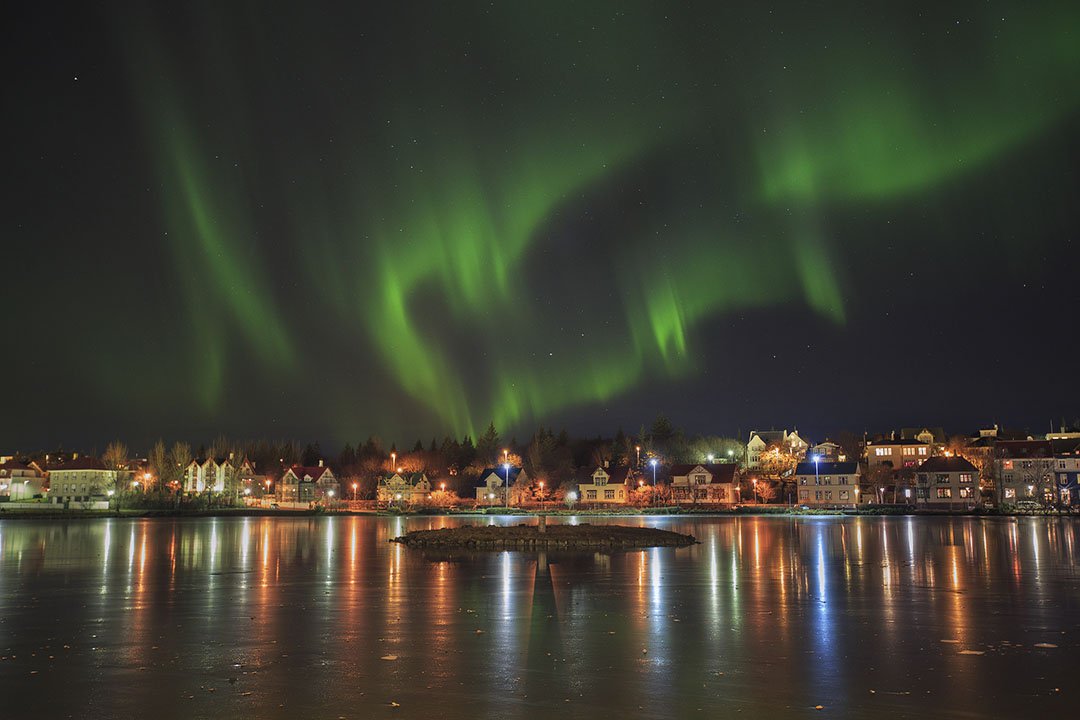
point(289, 220)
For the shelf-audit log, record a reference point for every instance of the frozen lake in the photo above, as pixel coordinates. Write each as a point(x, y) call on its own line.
point(321, 617)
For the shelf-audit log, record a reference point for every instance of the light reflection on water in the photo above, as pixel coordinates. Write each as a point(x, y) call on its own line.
point(278, 617)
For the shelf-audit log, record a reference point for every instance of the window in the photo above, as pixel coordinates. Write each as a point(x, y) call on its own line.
point(1010, 493)
point(843, 494)
point(882, 452)
point(699, 479)
point(909, 451)
point(922, 492)
point(1008, 465)
point(802, 481)
point(944, 493)
point(942, 478)
point(1026, 464)
point(804, 494)
point(965, 478)
point(590, 494)
point(844, 480)
point(817, 495)
point(1008, 477)
point(828, 480)
point(967, 492)
point(609, 494)
point(922, 451)
point(828, 494)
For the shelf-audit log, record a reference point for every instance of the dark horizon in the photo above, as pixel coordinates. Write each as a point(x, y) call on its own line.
point(325, 224)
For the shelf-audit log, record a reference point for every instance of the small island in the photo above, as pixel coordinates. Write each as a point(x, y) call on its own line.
point(545, 537)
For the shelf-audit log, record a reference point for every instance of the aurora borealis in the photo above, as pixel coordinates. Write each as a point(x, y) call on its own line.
point(277, 219)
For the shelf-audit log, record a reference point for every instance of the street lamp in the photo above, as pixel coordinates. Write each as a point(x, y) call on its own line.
point(653, 463)
point(754, 483)
point(637, 449)
point(506, 467)
point(354, 492)
point(711, 458)
point(541, 496)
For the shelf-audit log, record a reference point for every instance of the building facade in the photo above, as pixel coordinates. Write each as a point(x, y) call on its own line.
point(605, 484)
point(705, 483)
point(948, 483)
point(308, 484)
point(21, 481)
point(827, 484)
point(404, 488)
point(496, 485)
point(898, 454)
point(762, 439)
point(82, 480)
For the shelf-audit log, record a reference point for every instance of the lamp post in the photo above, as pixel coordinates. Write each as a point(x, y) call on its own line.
point(506, 467)
point(354, 492)
point(754, 484)
point(711, 458)
point(637, 449)
point(652, 462)
point(541, 496)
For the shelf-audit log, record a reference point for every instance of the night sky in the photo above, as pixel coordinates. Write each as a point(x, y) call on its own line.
point(271, 219)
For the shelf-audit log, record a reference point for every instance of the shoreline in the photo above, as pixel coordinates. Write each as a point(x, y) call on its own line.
point(7, 513)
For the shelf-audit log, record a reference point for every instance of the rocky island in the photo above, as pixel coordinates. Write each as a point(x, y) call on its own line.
point(545, 537)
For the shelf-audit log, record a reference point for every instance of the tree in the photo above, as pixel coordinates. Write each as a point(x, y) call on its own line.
point(487, 447)
point(158, 460)
point(179, 459)
point(311, 456)
point(116, 458)
point(776, 461)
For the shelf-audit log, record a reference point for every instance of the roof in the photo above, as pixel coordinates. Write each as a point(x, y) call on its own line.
point(83, 463)
point(944, 463)
point(721, 472)
point(315, 472)
point(1025, 448)
point(617, 475)
point(500, 472)
point(895, 443)
point(827, 468)
point(910, 433)
point(769, 436)
point(410, 477)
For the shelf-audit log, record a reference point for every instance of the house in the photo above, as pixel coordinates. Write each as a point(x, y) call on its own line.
point(762, 439)
point(308, 484)
point(21, 481)
point(80, 480)
point(827, 450)
point(897, 454)
point(948, 482)
point(607, 484)
point(933, 437)
point(1024, 469)
point(210, 474)
point(402, 488)
point(1067, 472)
point(704, 483)
point(828, 484)
point(251, 482)
point(496, 485)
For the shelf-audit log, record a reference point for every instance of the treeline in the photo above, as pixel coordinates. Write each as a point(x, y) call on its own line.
point(555, 457)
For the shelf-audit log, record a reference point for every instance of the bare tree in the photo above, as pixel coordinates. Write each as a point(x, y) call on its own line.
point(158, 460)
point(178, 459)
point(116, 458)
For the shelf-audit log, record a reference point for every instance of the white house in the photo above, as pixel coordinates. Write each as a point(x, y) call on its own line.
point(762, 439)
point(496, 485)
point(403, 488)
point(80, 480)
point(606, 484)
point(829, 484)
point(21, 481)
point(704, 483)
point(307, 484)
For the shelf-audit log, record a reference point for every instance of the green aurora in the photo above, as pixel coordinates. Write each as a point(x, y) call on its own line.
point(415, 214)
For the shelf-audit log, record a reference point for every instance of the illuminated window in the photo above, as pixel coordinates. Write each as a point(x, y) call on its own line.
point(609, 494)
point(944, 493)
point(804, 494)
point(922, 451)
point(828, 494)
point(966, 492)
point(1010, 493)
point(965, 477)
point(590, 494)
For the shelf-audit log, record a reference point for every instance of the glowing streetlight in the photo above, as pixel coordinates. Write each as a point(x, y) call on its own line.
point(506, 467)
point(354, 485)
point(637, 449)
point(711, 458)
point(442, 486)
point(541, 496)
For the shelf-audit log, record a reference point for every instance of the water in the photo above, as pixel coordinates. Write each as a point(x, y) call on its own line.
point(767, 617)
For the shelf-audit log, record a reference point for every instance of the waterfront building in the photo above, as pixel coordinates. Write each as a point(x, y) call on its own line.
point(947, 482)
point(607, 484)
point(21, 481)
point(81, 480)
point(762, 439)
point(1024, 470)
point(704, 483)
point(308, 484)
point(209, 474)
point(491, 488)
point(402, 488)
point(828, 484)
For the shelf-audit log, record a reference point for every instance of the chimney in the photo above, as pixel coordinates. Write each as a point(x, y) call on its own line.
point(320, 463)
point(606, 463)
